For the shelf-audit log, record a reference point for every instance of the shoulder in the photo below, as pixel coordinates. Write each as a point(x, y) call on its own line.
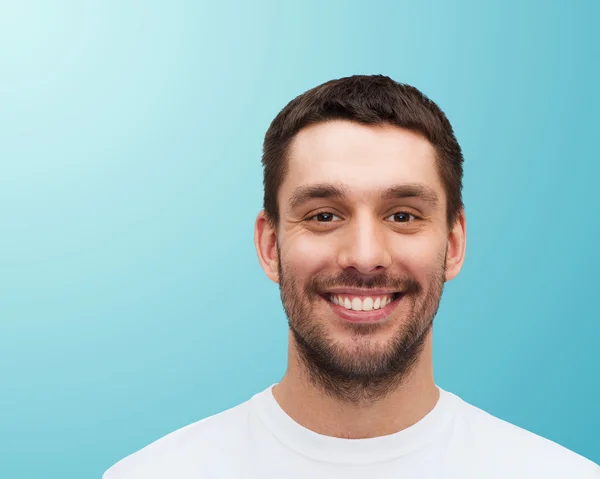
point(495, 443)
point(187, 451)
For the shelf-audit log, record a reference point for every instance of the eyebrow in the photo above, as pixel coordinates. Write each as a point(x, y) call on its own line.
point(421, 192)
point(304, 194)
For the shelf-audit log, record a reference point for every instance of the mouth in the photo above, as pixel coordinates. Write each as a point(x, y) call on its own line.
point(361, 306)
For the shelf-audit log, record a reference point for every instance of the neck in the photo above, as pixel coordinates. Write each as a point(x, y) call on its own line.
point(402, 407)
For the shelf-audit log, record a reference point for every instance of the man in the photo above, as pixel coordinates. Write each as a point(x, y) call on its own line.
point(363, 223)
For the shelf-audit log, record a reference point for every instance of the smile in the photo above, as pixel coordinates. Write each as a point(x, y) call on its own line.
point(362, 303)
point(363, 306)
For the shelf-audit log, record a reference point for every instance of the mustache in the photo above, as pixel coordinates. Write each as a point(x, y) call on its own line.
point(351, 278)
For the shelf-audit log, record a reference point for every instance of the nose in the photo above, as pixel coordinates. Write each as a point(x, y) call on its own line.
point(365, 247)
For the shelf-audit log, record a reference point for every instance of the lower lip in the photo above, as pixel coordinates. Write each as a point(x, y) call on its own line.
point(372, 316)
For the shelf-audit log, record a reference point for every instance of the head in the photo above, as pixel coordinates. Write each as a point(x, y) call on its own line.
point(362, 225)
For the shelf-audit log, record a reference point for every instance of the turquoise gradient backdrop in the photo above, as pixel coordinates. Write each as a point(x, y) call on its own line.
point(131, 299)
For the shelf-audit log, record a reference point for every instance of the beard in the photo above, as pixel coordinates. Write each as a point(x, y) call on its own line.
point(366, 371)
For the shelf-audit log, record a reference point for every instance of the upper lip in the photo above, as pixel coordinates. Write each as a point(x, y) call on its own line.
point(360, 292)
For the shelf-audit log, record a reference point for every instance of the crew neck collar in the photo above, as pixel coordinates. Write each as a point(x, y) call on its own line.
point(350, 451)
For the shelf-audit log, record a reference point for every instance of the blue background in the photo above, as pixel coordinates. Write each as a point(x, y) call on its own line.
point(131, 300)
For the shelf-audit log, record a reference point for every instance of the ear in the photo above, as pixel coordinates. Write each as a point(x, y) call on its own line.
point(265, 241)
point(457, 244)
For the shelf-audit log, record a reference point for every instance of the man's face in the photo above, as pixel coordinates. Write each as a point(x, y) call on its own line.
point(361, 250)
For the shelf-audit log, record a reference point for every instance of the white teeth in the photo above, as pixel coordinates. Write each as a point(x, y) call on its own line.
point(356, 304)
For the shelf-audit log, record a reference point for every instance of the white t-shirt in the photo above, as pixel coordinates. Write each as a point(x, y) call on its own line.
point(257, 439)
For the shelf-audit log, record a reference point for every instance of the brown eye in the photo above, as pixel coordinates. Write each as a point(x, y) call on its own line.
point(324, 217)
point(401, 217)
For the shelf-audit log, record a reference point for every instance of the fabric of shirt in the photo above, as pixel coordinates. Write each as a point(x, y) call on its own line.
point(258, 440)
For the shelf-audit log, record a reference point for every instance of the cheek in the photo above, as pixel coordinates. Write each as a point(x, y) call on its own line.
point(307, 255)
point(420, 256)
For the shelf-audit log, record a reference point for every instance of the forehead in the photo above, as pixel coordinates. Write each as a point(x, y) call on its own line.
point(364, 159)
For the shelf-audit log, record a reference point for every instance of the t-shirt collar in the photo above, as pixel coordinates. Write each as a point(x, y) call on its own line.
point(350, 451)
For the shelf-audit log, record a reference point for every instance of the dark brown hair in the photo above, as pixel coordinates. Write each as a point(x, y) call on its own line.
point(370, 100)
